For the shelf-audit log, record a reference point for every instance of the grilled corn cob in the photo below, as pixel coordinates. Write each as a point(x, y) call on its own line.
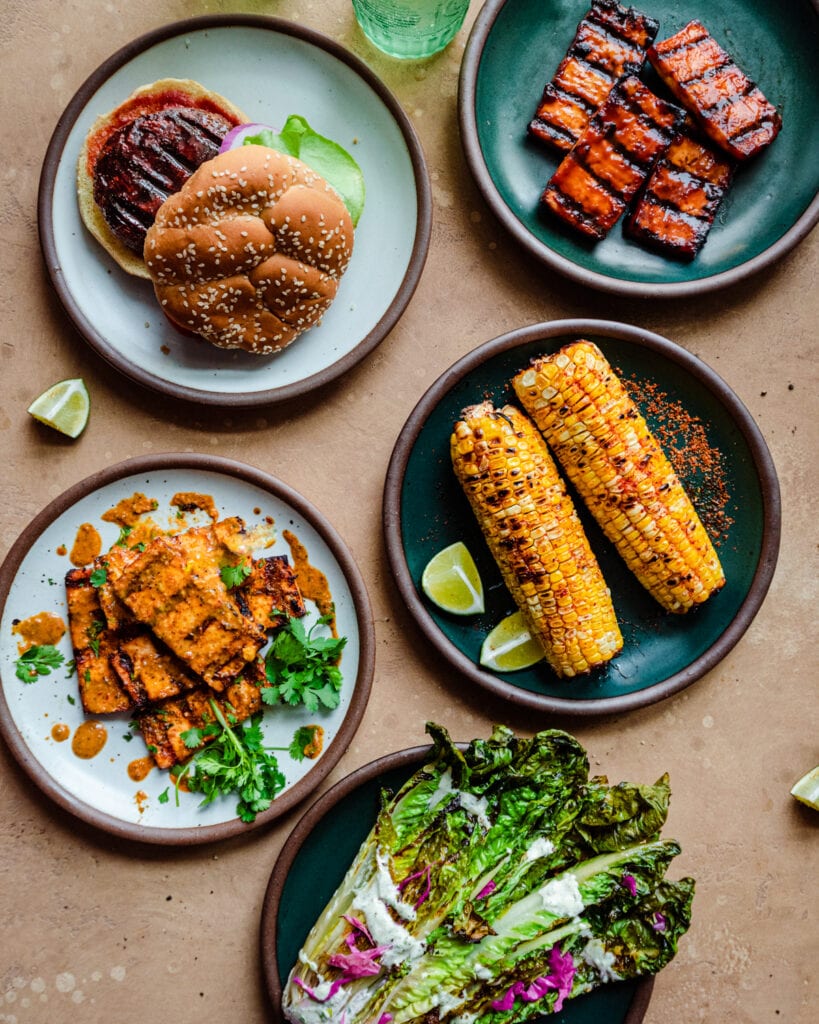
point(609, 454)
point(533, 531)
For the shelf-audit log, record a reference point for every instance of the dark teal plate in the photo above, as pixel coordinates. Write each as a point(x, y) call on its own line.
point(514, 49)
point(313, 862)
point(425, 510)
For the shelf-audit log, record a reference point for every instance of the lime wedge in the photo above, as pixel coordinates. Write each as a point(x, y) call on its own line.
point(64, 406)
point(806, 789)
point(451, 580)
point(510, 646)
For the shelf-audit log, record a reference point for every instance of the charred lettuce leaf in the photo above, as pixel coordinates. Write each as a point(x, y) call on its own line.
point(498, 882)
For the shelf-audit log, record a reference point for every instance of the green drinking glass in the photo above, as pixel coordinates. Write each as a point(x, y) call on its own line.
point(410, 28)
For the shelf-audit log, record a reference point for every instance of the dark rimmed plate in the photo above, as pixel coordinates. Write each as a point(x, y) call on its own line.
point(313, 862)
point(514, 49)
point(245, 58)
point(100, 790)
point(425, 510)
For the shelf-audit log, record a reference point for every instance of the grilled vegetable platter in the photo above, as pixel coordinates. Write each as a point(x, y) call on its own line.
point(643, 643)
point(484, 882)
point(186, 649)
point(653, 149)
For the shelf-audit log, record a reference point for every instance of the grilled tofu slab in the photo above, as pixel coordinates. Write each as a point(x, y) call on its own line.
point(163, 726)
point(270, 595)
point(727, 105)
point(93, 642)
point(174, 586)
point(597, 179)
point(610, 43)
point(680, 200)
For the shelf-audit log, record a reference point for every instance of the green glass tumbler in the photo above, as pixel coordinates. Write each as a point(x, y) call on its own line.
point(410, 28)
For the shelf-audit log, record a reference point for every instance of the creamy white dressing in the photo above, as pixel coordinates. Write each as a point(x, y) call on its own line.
point(477, 806)
point(384, 930)
point(541, 847)
point(444, 788)
point(597, 956)
point(561, 896)
point(388, 891)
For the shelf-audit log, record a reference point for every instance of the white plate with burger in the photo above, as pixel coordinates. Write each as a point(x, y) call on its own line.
point(234, 307)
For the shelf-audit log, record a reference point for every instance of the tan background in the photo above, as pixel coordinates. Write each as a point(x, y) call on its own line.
point(91, 930)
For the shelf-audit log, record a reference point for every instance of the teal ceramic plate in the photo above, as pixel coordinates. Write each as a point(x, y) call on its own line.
point(514, 49)
point(315, 857)
point(737, 494)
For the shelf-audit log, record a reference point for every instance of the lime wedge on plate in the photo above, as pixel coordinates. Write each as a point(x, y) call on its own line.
point(806, 789)
point(64, 406)
point(510, 646)
point(451, 580)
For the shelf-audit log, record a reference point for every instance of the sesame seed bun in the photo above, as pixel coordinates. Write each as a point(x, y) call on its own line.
point(250, 252)
point(147, 99)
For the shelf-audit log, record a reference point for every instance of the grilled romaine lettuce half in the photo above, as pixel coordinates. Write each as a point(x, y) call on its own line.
point(499, 881)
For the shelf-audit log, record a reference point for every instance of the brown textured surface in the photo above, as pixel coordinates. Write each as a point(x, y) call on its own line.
point(94, 930)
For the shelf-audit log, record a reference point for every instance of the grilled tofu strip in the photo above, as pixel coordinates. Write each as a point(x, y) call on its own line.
point(535, 536)
point(174, 587)
point(270, 595)
point(162, 726)
point(728, 106)
point(617, 467)
point(595, 182)
point(93, 642)
point(147, 672)
point(681, 197)
point(610, 43)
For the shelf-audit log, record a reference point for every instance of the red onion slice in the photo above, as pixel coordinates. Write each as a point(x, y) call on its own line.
point(236, 136)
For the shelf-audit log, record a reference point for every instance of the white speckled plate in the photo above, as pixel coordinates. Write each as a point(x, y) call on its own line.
point(269, 68)
point(99, 790)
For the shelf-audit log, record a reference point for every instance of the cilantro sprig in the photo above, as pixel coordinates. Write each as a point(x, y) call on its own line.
point(235, 575)
point(38, 661)
point(302, 668)
point(234, 761)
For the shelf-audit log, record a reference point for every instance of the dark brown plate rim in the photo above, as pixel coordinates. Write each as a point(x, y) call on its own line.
point(100, 343)
point(361, 691)
point(769, 484)
point(467, 89)
point(268, 932)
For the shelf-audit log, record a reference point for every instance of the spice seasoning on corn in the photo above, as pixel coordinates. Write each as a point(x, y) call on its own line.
point(609, 454)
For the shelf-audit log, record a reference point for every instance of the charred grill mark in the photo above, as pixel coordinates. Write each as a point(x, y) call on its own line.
point(148, 159)
point(681, 198)
point(610, 43)
point(598, 178)
point(728, 105)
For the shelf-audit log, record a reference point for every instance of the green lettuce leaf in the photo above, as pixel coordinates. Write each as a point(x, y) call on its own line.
point(328, 158)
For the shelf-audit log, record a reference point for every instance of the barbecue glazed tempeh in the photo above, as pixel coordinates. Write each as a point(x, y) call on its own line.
point(607, 451)
point(162, 726)
point(610, 43)
point(595, 182)
point(728, 106)
point(99, 687)
point(174, 586)
point(535, 536)
point(680, 200)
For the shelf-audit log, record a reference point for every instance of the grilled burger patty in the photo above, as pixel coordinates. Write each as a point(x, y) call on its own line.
point(149, 159)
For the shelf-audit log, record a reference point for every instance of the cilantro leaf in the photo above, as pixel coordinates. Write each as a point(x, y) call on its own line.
point(92, 634)
point(124, 533)
point(164, 796)
point(306, 742)
point(302, 668)
point(98, 577)
point(235, 761)
point(38, 661)
point(235, 575)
